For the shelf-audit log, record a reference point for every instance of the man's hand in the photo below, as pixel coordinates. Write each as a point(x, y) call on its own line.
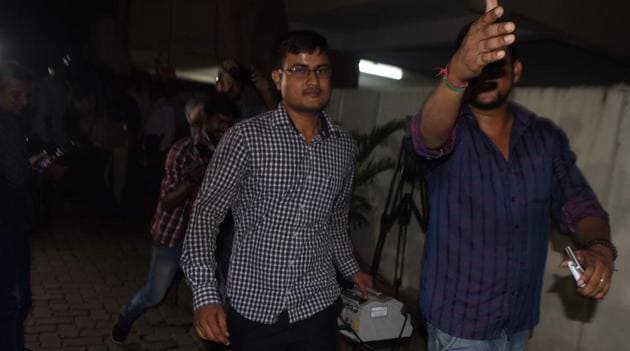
point(485, 43)
point(363, 281)
point(36, 158)
point(210, 323)
point(598, 268)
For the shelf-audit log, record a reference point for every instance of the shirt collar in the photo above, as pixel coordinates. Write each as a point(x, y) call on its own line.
point(326, 127)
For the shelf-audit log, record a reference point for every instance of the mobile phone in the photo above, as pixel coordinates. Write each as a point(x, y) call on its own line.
point(574, 265)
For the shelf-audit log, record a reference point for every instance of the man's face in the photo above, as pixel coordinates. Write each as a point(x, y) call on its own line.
point(15, 96)
point(306, 93)
point(217, 124)
point(492, 88)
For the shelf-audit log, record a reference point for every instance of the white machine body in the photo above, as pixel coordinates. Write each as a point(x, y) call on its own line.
point(375, 318)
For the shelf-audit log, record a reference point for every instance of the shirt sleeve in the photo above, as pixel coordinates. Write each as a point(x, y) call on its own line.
point(572, 196)
point(220, 186)
point(173, 169)
point(342, 246)
point(419, 144)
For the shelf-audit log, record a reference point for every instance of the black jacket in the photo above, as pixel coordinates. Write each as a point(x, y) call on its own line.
point(17, 189)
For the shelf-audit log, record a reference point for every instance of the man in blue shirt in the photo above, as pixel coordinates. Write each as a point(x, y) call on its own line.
point(497, 175)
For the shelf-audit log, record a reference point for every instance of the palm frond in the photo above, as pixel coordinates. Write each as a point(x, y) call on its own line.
point(366, 143)
point(359, 208)
point(367, 168)
point(366, 173)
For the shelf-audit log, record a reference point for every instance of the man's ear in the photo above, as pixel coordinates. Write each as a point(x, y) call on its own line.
point(517, 68)
point(276, 76)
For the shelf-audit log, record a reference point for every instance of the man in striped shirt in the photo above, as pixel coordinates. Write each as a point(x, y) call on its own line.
point(497, 175)
point(184, 168)
point(287, 176)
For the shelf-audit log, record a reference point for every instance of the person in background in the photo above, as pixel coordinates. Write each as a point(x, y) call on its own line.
point(17, 205)
point(185, 165)
point(253, 93)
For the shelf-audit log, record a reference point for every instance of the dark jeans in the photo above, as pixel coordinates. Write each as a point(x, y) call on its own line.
point(15, 291)
point(317, 333)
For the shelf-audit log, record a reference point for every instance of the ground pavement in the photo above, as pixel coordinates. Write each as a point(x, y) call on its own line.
point(84, 268)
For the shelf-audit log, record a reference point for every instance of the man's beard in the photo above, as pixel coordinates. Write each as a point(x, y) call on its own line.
point(489, 105)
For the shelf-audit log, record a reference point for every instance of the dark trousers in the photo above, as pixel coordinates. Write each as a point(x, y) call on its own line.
point(317, 333)
point(15, 292)
point(213, 346)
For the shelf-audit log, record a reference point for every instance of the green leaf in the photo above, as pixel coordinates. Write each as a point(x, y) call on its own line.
point(368, 167)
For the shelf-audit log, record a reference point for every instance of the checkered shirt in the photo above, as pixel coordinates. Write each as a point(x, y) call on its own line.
point(169, 227)
point(290, 203)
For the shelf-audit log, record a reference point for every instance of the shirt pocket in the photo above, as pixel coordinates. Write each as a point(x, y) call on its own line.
point(320, 193)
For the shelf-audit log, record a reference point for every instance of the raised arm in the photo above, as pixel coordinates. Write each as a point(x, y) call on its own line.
point(484, 43)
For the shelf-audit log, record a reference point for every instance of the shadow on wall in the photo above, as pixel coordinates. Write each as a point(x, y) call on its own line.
point(576, 307)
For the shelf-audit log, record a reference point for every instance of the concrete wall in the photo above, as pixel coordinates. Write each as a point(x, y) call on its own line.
point(597, 121)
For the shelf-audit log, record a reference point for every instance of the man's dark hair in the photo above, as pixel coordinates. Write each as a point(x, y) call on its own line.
point(300, 41)
point(222, 104)
point(13, 70)
point(512, 49)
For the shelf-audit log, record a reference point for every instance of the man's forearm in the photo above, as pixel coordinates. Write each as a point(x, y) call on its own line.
point(484, 43)
point(592, 229)
point(438, 116)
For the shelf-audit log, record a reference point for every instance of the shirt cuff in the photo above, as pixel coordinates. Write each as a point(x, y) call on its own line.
point(578, 208)
point(205, 295)
point(419, 145)
point(348, 268)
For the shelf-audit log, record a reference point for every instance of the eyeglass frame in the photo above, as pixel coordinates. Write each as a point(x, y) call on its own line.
point(307, 71)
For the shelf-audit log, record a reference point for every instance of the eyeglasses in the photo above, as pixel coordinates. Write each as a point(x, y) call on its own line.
point(304, 71)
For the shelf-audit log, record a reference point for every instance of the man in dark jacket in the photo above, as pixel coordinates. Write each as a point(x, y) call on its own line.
point(17, 206)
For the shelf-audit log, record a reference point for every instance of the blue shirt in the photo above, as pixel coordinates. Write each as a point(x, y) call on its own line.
point(489, 223)
point(290, 203)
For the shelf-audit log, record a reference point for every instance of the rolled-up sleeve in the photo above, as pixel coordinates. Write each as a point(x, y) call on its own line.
point(419, 144)
point(573, 198)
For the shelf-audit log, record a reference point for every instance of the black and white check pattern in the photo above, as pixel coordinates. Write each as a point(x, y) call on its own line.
point(290, 202)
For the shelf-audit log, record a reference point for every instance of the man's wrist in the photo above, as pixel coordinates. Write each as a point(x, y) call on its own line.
point(603, 246)
point(453, 84)
point(453, 76)
point(454, 80)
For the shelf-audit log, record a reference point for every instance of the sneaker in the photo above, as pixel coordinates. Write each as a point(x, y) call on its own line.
point(120, 333)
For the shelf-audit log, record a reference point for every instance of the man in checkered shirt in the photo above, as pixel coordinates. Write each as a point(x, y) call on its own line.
point(287, 176)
